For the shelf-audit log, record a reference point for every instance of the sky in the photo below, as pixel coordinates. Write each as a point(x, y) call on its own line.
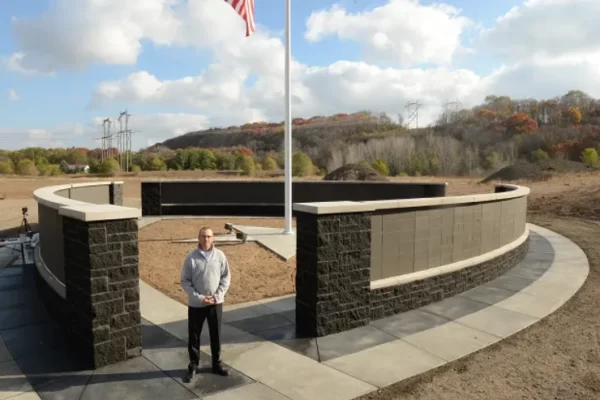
point(185, 65)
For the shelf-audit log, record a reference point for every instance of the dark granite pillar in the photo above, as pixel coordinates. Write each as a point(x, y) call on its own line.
point(116, 193)
point(333, 264)
point(102, 288)
point(151, 198)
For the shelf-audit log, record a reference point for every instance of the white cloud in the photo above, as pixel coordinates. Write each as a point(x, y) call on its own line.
point(13, 95)
point(401, 31)
point(545, 28)
point(220, 94)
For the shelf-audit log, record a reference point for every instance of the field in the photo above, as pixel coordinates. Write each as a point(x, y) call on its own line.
point(558, 358)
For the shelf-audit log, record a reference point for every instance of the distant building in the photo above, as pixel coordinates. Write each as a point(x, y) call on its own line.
point(79, 168)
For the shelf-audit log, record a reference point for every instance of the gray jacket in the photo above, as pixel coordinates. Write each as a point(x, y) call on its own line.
point(205, 277)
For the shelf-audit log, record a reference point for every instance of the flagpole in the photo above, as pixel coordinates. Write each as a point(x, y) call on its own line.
point(288, 120)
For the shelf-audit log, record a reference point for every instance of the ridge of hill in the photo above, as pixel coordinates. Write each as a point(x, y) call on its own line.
point(318, 133)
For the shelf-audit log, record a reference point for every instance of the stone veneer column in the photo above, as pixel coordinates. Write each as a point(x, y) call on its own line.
point(333, 263)
point(151, 198)
point(116, 193)
point(102, 288)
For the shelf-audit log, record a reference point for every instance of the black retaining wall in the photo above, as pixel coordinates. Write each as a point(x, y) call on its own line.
point(267, 198)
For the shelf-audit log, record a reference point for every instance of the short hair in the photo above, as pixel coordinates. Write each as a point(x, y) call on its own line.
point(204, 228)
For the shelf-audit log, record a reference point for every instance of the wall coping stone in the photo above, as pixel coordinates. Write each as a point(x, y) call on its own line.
point(448, 268)
point(81, 210)
point(341, 207)
point(100, 212)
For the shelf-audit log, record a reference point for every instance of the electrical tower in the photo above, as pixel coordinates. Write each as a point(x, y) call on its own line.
point(106, 139)
point(124, 138)
point(457, 105)
point(412, 115)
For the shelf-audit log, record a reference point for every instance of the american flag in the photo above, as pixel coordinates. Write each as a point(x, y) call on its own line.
point(245, 8)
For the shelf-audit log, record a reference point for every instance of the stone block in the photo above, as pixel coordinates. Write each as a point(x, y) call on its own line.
point(333, 272)
point(116, 194)
point(102, 279)
point(151, 198)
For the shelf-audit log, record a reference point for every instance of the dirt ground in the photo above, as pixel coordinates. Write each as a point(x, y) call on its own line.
point(557, 358)
point(256, 273)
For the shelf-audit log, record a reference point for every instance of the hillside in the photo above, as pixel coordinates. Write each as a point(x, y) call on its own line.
point(315, 135)
point(482, 139)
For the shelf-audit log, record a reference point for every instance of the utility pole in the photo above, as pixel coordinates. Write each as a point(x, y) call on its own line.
point(413, 115)
point(456, 105)
point(106, 139)
point(127, 139)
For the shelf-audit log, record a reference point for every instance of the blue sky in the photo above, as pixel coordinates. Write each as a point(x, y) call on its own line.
point(56, 103)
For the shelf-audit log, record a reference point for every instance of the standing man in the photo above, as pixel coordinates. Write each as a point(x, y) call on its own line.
point(205, 277)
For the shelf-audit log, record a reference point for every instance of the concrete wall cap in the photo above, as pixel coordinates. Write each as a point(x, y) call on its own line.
point(341, 207)
point(79, 209)
point(99, 212)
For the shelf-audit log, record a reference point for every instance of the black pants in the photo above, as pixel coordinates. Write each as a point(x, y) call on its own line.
point(196, 317)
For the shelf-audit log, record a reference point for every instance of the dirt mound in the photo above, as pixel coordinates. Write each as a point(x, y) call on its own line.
point(354, 172)
point(535, 171)
point(578, 202)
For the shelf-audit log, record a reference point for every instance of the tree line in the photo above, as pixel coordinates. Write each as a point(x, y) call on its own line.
point(498, 132)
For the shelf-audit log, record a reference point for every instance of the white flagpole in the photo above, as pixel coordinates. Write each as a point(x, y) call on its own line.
point(288, 120)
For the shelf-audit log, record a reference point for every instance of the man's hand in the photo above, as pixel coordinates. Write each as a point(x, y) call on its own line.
point(208, 300)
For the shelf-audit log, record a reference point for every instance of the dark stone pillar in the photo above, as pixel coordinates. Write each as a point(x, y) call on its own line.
point(116, 194)
point(333, 262)
point(151, 198)
point(102, 288)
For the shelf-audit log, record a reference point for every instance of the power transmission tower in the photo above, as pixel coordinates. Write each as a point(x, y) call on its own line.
point(124, 138)
point(457, 105)
point(412, 115)
point(106, 139)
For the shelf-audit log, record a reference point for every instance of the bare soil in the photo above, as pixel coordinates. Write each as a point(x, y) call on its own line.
point(256, 273)
point(557, 358)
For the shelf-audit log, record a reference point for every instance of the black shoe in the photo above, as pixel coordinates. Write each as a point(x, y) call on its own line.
point(191, 373)
point(219, 369)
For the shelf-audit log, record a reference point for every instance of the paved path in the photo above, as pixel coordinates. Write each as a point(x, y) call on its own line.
point(266, 360)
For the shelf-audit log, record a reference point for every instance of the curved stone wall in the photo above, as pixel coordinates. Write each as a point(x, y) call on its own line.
point(87, 263)
point(365, 260)
point(266, 198)
point(51, 200)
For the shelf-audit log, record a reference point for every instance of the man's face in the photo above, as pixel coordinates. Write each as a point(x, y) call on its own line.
point(206, 239)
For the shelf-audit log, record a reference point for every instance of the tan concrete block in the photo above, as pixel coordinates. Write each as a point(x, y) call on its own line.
point(376, 224)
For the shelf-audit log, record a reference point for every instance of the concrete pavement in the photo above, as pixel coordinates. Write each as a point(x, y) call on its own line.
point(266, 360)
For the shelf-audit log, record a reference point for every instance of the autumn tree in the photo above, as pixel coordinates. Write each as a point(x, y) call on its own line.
point(573, 115)
point(301, 164)
point(269, 164)
point(520, 124)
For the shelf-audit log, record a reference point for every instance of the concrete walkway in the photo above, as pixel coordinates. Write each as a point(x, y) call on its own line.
point(259, 341)
point(259, 346)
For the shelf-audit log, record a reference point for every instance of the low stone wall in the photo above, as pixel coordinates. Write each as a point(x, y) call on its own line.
point(97, 301)
point(266, 198)
point(399, 298)
point(336, 289)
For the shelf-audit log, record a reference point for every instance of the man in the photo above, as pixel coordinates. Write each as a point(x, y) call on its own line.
point(205, 277)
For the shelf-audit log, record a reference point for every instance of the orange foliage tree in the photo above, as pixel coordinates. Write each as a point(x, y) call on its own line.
point(573, 115)
point(520, 123)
